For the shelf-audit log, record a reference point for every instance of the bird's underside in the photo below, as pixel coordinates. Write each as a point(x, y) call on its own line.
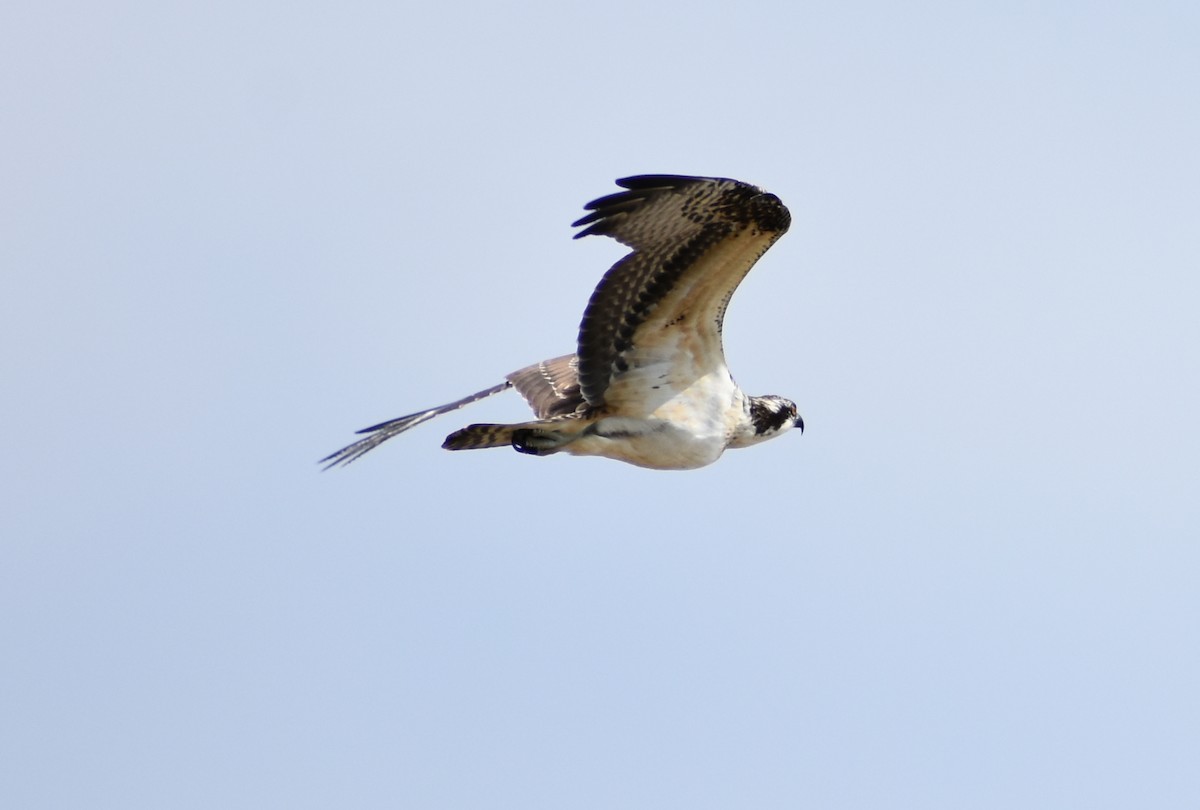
point(648, 383)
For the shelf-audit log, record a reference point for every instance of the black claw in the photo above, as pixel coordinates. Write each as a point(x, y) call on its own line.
point(535, 442)
point(520, 441)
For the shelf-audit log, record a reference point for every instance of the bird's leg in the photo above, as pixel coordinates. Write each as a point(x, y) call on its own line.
point(539, 441)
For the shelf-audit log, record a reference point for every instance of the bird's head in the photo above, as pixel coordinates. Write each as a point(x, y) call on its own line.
point(770, 416)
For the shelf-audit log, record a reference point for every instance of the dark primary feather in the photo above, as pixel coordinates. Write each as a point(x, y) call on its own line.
point(385, 430)
point(671, 222)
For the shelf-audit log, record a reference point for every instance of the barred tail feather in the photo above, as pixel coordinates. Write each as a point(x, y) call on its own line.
point(539, 438)
point(478, 437)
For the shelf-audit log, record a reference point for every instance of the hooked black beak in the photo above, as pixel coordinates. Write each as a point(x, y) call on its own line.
point(799, 422)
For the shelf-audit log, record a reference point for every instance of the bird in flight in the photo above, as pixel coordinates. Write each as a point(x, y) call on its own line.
point(647, 384)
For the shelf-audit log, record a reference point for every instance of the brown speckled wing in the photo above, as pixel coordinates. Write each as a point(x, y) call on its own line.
point(551, 387)
point(686, 232)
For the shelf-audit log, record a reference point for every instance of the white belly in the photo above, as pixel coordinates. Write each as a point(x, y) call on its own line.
point(660, 446)
point(682, 431)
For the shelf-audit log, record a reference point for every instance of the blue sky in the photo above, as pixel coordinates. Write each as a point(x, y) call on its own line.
point(236, 232)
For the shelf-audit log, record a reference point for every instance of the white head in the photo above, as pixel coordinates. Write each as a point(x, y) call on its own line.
point(769, 416)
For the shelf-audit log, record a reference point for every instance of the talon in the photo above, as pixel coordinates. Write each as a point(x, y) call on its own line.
point(535, 442)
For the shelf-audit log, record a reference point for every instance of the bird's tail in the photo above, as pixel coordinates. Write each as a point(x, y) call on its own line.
point(539, 438)
point(478, 437)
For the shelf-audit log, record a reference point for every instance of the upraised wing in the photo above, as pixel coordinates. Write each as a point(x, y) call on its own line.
point(693, 239)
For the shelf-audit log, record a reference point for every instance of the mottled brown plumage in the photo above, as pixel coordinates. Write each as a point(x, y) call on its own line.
point(648, 383)
point(670, 222)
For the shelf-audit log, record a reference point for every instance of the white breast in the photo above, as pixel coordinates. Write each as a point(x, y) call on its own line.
point(678, 427)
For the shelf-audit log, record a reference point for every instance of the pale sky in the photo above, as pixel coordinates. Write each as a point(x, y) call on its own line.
point(234, 233)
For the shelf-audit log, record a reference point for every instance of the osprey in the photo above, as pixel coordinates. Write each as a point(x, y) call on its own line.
point(647, 383)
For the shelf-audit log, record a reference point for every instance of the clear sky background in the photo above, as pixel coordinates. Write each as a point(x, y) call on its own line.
point(231, 233)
